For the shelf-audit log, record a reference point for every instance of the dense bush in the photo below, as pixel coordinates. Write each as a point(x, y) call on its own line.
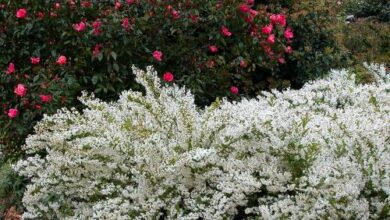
point(379, 9)
point(12, 187)
point(319, 152)
point(367, 41)
point(99, 39)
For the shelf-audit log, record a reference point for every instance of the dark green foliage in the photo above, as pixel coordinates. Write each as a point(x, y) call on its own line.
point(12, 187)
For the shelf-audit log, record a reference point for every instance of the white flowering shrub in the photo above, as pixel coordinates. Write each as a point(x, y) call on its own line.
point(322, 152)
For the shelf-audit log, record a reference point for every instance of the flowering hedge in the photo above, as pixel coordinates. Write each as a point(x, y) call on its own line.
point(319, 152)
point(51, 51)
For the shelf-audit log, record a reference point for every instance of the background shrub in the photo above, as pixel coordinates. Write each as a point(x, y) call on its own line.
point(379, 9)
point(98, 57)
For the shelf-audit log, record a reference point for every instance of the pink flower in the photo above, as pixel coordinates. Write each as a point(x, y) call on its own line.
point(130, 2)
point(96, 27)
point(234, 90)
point(253, 13)
point(125, 23)
point(13, 112)
point(46, 98)
point(57, 5)
point(40, 15)
point(271, 38)
point(278, 19)
point(288, 34)
point(80, 26)
point(157, 55)
point(21, 13)
point(53, 14)
point(250, 2)
point(281, 60)
point(213, 48)
point(86, 4)
point(243, 64)
point(244, 8)
point(20, 90)
point(210, 64)
point(194, 18)
point(35, 60)
point(11, 68)
point(61, 60)
point(249, 19)
point(96, 24)
point(267, 29)
point(38, 107)
point(225, 31)
point(288, 49)
point(175, 14)
point(118, 5)
point(268, 51)
point(168, 77)
point(96, 50)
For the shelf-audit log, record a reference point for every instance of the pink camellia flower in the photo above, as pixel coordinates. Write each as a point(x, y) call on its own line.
point(11, 68)
point(250, 2)
point(118, 5)
point(210, 64)
point(175, 14)
point(278, 19)
point(268, 50)
point(213, 48)
point(219, 5)
point(96, 24)
point(194, 18)
point(57, 5)
point(243, 64)
point(37, 107)
point(281, 60)
point(271, 38)
point(96, 27)
point(53, 14)
point(244, 8)
point(35, 60)
point(20, 90)
point(21, 13)
point(86, 4)
point(282, 20)
point(80, 26)
point(130, 2)
point(96, 50)
point(249, 19)
point(168, 77)
point(40, 15)
point(61, 60)
point(13, 112)
point(157, 55)
point(267, 29)
point(288, 49)
point(234, 90)
point(125, 23)
point(288, 34)
point(253, 13)
point(46, 98)
point(225, 31)
point(273, 18)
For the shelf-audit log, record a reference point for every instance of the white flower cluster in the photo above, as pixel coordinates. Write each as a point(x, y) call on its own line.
point(321, 152)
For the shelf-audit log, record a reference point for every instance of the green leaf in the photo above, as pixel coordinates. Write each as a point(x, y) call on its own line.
point(116, 67)
point(114, 55)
